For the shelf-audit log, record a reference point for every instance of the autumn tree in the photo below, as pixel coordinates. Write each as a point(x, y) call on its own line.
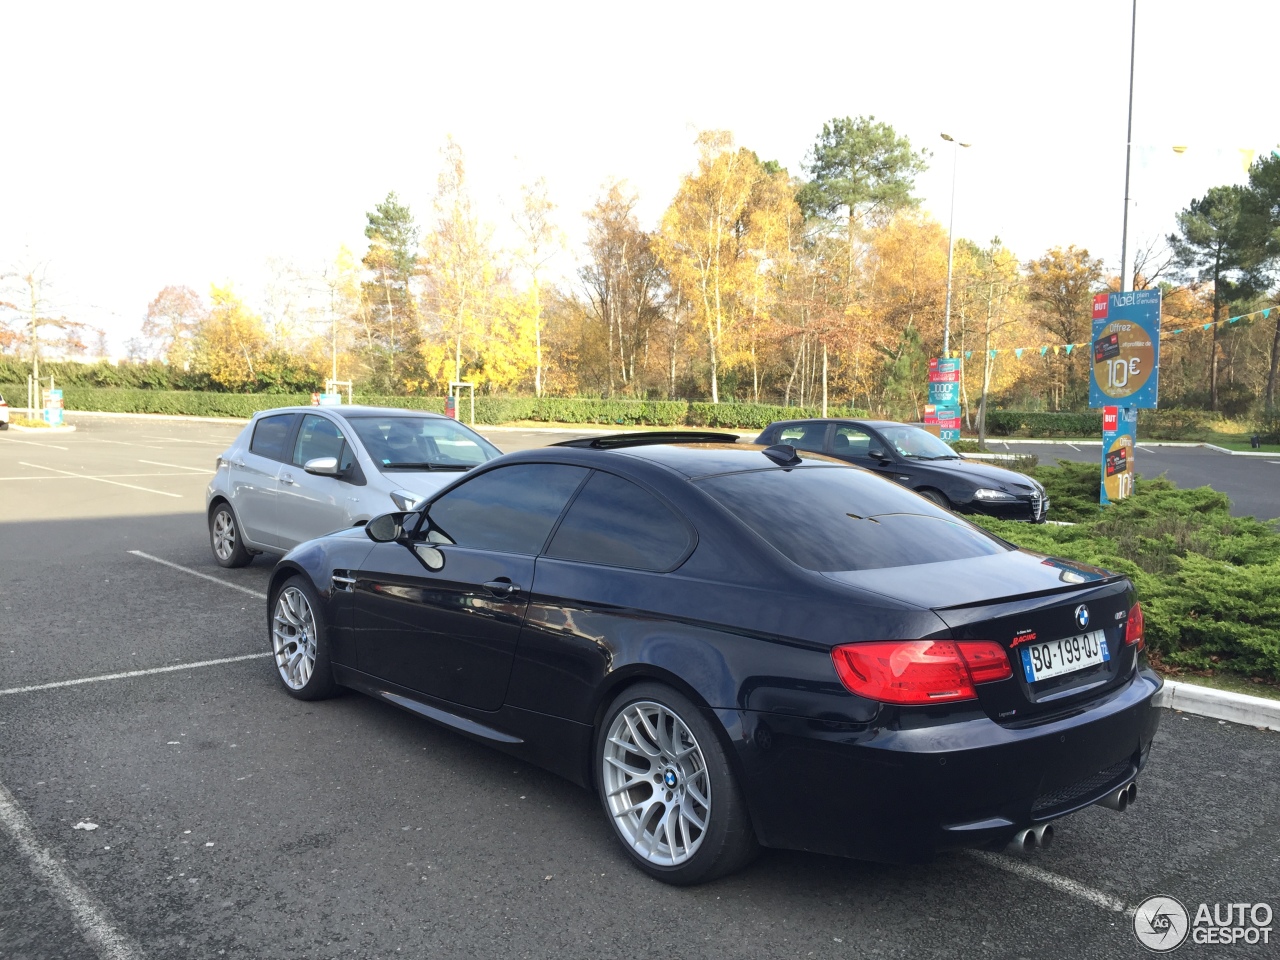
point(542, 240)
point(392, 261)
point(708, 236)
point(229, 340)
point(623, 282)
point(172, 320)
point(1059, 289)
point(460, 267)
point(861, 172)
point(1211, 247)
point(992, 295)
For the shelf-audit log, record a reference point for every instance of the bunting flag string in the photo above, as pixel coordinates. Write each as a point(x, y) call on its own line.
point(1058, 348)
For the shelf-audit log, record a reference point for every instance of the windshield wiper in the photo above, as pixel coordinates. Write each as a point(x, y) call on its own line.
point(425, 465)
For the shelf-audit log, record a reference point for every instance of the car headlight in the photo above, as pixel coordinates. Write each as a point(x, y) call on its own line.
point(987, 494)
point(406, 500)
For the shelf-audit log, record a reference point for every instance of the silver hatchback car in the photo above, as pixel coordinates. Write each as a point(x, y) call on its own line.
point(297, 473)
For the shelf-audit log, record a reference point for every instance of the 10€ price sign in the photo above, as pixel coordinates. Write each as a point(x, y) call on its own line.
point(1125, 352)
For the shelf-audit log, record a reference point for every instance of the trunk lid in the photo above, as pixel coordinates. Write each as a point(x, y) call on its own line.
point(1061, 623)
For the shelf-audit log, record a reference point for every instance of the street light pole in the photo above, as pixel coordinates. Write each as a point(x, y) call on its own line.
point(951, 240)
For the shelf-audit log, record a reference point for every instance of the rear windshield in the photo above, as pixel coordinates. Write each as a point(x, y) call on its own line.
point(836, 518)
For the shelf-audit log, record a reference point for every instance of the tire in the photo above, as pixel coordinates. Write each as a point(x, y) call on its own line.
point(657, 756)
point(300, 641)
point(936, 496)
point(225, 539)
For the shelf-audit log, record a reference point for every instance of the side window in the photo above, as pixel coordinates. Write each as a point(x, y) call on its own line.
point(510, 510)
point(318, 437)
point(270, 436)
point(850, 442)
point(613, 521)
point(804, 436)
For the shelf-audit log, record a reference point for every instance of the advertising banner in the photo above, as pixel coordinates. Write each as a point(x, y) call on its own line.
point(1119, 437)
point(943, 409)
point(53, 408)
point(1124, 368)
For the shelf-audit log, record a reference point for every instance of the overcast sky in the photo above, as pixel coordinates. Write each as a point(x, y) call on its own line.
point(148, 145)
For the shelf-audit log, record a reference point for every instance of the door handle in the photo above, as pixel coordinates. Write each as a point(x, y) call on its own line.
point(502, 587)
point(287, 478)
point(238, 463)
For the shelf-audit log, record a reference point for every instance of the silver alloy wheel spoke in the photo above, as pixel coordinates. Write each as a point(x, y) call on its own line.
point(224, 535)
point(293, 638)
point(664, 821)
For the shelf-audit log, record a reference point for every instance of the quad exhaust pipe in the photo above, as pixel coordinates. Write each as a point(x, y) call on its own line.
point(1121, 799)
point(1033, 838)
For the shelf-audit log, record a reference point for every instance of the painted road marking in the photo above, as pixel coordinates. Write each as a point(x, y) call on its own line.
point(116, 476)
point(197, 573)
point(179, 466)
point(1074, 447)
point(1062, 884)
point(32, 443)
point(212, 443)
point(107, 942)
point(101, 678)
point(124, 443)
point(85, 476)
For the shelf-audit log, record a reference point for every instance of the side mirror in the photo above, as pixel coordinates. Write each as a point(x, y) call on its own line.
point(322, 466)
point(877, 453)
point(388, 528)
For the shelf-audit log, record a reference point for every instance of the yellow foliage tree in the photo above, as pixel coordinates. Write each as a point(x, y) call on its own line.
point(228, 340)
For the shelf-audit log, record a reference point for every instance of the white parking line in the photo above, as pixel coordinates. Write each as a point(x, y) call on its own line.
point(79, 681)
point(125, 443)
point(1059, 883)
point(1074, 447)
point(105, 476)
point(32, 443)
point(107, 942)
point(85, 476)
point(179, 466)
point(197, 573)
point(212, 443)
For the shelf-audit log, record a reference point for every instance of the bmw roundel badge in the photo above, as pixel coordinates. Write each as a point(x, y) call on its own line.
point(1082, 616)
point(670, 779)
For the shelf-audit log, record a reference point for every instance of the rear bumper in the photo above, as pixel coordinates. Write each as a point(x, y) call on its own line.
point(900, 795)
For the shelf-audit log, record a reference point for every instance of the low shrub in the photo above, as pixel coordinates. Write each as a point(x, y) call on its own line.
point(756, 416)
point(1209, 582)
point(1011, 423)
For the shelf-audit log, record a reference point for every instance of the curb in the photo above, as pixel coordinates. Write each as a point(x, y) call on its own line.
point(65, 428)
point(1220, 704)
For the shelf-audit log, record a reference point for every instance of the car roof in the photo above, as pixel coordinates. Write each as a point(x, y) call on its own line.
point(877, 424)
point(349, 410)
point(690, 460)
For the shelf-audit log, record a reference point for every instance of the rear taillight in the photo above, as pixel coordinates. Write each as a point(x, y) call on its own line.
point(920, 671)
point(1133, 629)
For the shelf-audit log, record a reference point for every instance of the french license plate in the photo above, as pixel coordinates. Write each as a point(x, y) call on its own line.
point(1040, 661)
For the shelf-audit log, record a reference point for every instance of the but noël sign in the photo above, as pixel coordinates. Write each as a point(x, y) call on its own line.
point(1125, 365)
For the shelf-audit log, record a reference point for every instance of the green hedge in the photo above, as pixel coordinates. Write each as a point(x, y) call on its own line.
point(488, 410)
point(756, 416)
point(1012, 423)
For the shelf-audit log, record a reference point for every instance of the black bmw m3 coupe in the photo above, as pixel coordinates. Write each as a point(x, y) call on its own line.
point(735, 646)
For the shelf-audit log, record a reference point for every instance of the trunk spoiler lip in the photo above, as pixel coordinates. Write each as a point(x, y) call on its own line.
point(1086, 587)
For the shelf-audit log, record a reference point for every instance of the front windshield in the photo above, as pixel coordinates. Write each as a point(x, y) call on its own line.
point(918, 444)
point(421, 443)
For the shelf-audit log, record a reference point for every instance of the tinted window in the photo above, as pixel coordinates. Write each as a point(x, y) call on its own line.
point(318, 437)
point(833, 518)
point(615, 522)
point(850, 441)
point(270, 435)
point(510, 510)
point(918, 443)
point(804, 436)
point(417, 442)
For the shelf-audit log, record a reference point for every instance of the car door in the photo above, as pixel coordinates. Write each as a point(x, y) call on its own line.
point(310, 505)
point(254, 477)
point(441, 614)
point(855, 444)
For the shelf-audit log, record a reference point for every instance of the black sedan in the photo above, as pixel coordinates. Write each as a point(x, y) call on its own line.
point(910, 455)
point(736, 646)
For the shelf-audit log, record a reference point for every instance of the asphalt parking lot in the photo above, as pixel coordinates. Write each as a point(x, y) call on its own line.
point(1252, 482)
point(160, 796)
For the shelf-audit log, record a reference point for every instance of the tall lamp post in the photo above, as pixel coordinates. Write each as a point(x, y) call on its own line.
point(951, 240)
